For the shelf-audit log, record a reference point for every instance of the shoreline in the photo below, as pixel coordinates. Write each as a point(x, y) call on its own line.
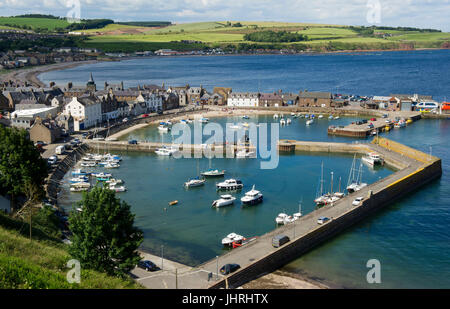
point(30, 75)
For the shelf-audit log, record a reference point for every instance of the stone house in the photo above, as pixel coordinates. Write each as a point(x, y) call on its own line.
point(46, 131)
point(314, 99)
point(270, 99)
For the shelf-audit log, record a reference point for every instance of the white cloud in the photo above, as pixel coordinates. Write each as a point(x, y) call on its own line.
point(420, 13)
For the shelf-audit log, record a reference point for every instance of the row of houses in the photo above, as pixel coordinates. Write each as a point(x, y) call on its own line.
point(403, 102)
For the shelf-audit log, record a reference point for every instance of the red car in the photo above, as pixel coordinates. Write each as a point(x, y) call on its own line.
point(373, 119)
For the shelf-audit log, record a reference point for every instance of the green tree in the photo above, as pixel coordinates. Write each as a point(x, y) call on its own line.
point(20, 163)
point(104, 237)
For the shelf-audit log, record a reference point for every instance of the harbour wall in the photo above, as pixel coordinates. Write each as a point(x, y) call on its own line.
point(53, 180)
point(392, 191)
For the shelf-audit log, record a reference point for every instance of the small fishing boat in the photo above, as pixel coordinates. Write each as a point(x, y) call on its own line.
point(173, 203)
point(275, 116)
point(230, 184)
point(288, 121)
point(79, 179)
point(337, 117)
point(282, 121)
point(113, 181)
point(166, 151)
point(225, 200)
point(213, 173)
point(330, 117)
point(280, 218)
point(79, 172)
point(245, 117)
point(252, 197)
point(244, 153)
point(241, 242)
point(89, 164)
point(112, 165)
point(204, 120)
point(228, 241)
point(102, 175)
point(163, 128)
point(372, 159)
point(309, 122)
point(195, 182)
point(117, 189)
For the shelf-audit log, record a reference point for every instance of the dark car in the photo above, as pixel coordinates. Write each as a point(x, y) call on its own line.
point(132, 142)
point(229, 268)
point(147, 265)
point(160, 112)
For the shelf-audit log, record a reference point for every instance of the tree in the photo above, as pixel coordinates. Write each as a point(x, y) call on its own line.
point(104, 237)
point(20, 163)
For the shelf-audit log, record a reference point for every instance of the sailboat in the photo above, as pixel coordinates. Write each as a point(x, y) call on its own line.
point(354, 180)
point(195, 182)
point(321, 198)
point(213, 172)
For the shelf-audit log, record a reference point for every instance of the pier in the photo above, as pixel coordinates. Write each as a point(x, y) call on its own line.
point(363, 130)
point(413, 170)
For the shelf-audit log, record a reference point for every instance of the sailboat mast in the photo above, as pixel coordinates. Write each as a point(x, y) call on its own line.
point(321, 181)
point(331, 183)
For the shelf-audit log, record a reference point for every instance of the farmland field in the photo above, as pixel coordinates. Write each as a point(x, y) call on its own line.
point(49, 23)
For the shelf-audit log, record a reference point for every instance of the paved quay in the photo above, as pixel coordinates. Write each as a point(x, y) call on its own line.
point(251, 255)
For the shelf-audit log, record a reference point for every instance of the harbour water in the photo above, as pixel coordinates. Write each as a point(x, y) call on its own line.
point(410, 238)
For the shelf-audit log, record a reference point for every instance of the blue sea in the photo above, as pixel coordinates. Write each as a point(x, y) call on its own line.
point(410, 238)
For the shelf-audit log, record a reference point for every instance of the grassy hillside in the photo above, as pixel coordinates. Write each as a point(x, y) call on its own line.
point(42, 262)
point(224, 34)
point(33, 23)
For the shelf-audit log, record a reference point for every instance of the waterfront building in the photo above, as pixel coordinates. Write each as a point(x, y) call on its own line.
point(270, 99)
point(224, 92)
point(314, 99)
point(4, 103)
point(194, 95)
point(26, 117)
point(243, 99)
point(46, 131)
point(86, 111)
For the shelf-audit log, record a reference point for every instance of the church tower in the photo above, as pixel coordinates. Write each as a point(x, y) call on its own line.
point(90, 86)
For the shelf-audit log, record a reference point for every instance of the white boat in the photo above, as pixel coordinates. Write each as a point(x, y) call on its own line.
point(88, 164)
point(102, 175)
point(252, 197)
point(195, 182)
point(79, 172)
point(213, 173)
point(228, 241)
point(79, 179)
point(337, 117)
point(289, 219)
point(166, 151)
point(112, 165)
point(280, 218)
point(113, 181)
point(309, 122)
point(245, 117)
point(354, 183)
point(372, 159)
point(282, 122)
point(244, 154)
point(320, 116)
point(275, 116)
point(81, 185)
point(299, 213)
point(225, 200)
point(163, 128)
point(204, 120)
point(230, 184)
point(78, 189)
point(288, 121)
point(330, 117)
point(117, 189)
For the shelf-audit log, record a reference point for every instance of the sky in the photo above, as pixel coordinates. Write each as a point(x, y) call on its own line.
point(412, 13)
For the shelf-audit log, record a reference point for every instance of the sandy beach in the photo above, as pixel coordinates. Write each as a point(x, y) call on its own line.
point(30, 75)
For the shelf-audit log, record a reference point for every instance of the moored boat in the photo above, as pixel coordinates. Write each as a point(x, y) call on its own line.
point(252, 197)
point(230, 184)
point(225, 200)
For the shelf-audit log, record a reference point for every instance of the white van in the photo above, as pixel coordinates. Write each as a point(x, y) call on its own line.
point(60, 150)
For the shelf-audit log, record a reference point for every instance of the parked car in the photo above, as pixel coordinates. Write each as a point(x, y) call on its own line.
point(133, 142)
point(279, 240)
point(357, 201)
point(160, 112)
point(364, 121)
point(323, 220)
point(52, 160)
point(60, 150)
point(370, 126)
point(147, 265)
point(125, 120)
point(39, 144)
point(229, 268)
point(373, 119)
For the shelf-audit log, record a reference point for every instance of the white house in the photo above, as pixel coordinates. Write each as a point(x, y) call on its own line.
point(241, 99)
point(86, 111)
point(153, 101)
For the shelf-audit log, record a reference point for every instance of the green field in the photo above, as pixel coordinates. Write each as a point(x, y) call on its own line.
point(34, 23)
point(219, 34)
